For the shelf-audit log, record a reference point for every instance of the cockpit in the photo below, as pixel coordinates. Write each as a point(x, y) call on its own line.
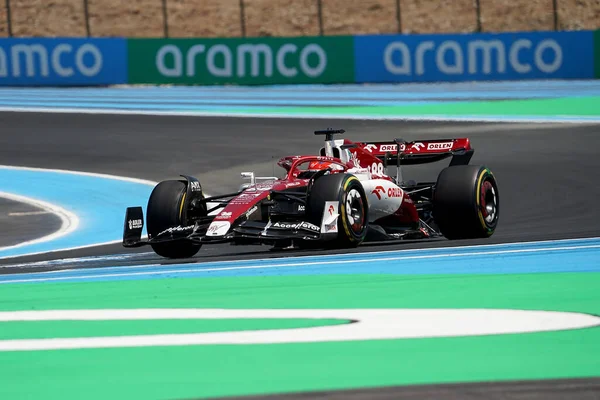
point(334, 148)
point(333, 156)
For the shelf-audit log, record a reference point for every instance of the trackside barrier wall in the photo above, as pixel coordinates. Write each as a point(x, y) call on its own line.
point(62, 62)
point(597, 53)
point(303, 60)
point(476, 57)
point(242, 61)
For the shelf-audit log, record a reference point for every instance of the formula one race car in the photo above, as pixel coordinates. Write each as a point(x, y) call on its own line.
point(340, 198)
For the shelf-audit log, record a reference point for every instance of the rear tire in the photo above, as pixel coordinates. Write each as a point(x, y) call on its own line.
point(164, 212)
point(353, 209)
point(466, 203)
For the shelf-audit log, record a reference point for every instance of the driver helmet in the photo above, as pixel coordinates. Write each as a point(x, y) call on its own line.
point(321, 165)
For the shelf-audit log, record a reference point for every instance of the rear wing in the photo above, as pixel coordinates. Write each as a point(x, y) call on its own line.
point(401, 152)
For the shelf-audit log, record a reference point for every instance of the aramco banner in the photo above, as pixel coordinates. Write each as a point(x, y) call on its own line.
point(62, 61)
point(474, 57)
point(251, 61)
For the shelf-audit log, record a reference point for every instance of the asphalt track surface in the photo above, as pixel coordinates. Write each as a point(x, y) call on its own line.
point(547, 176)
point(558, 389)
point(25, 222)
point(546, 172)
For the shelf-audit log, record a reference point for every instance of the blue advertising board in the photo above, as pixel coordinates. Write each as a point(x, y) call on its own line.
point(465, 57)
point(62, 61)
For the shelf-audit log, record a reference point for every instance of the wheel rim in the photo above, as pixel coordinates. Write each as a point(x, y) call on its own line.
point(488, 202)
point(355, 211)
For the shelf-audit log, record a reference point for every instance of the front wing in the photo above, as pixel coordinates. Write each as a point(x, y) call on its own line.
point(246, 232)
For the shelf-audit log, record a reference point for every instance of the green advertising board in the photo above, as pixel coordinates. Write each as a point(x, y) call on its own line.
point(597, 53)
point(241, 61)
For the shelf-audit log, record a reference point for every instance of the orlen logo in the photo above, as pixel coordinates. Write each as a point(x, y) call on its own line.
point(389, 147)
point(36, 60)
point(222, 61)
point(439, 146)
point(394, 192)
point(452, 58)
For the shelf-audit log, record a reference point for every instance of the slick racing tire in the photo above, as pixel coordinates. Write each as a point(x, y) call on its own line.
point(466, 202)
point(164, 212)
point(347, 192)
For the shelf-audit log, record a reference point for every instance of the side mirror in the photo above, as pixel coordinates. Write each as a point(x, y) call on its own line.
point(249, 175)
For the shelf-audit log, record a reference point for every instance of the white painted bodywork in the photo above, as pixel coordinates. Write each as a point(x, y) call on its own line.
point(388, 201)
point(383, 196)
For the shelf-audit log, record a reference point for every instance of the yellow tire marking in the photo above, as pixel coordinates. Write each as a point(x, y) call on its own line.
point(181, 206)
point(479, 213)
point(350, 179)
point(343, 210)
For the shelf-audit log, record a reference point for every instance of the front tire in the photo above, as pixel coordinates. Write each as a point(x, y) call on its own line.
point(164, 211)
point(466, 202)
point(353, 209)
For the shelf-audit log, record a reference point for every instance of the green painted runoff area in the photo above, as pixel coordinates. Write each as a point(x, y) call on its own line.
point(208, 371)
point(567, 106)
point(71, 329)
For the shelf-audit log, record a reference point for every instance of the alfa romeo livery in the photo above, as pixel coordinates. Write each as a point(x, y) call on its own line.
point(341, 197)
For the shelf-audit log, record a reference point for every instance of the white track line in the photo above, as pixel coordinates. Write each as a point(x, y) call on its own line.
point(170, 271)
point(55, 209)
point(557, 242)
point(28, 213)
point(298, 258)
point(370, 324)
point(566, 119)
point(69, 221)
point(70, 172)
point(80, 173)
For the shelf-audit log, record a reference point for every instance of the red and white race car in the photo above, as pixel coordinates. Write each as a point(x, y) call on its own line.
point(339, 198)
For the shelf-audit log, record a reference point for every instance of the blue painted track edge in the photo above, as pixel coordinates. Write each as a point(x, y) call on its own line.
point(570, 255)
